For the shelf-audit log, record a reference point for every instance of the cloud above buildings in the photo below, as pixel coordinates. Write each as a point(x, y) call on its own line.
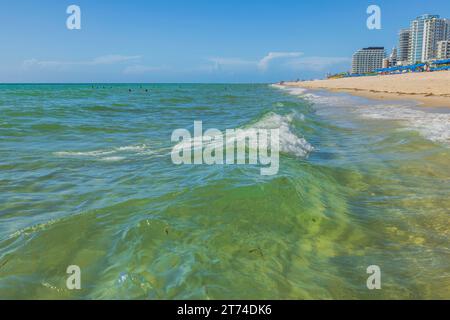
point(316, 63)
point(219, 62)
point(263, 64)
point(134, 66)
point(293, 60)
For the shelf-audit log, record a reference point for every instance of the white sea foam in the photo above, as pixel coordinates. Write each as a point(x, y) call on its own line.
point(277, 86)
point(434, 126)
point(142, 147)
point(297, 91)
point(289, 141)
point(112, 159)
point(94, 153)
point(114, 154)
point(319, 97)
point(431, 125)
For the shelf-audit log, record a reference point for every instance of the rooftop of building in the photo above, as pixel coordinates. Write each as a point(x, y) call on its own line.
point(428, 16)
point(373, 48)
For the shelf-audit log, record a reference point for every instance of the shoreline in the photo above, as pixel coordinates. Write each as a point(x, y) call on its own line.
point(429, 89)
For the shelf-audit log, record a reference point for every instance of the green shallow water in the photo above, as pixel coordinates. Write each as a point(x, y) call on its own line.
point(86, 179)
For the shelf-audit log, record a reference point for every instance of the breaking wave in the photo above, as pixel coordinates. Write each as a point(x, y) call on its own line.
point(432, 125)
point(290, 143)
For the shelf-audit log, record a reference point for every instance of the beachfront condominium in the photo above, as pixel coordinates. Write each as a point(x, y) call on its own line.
point(443, 50)
point(447, 29)
point(390, 61)
point(404, 37)
point(426, 31)
point(367, 60)
point(393, 57)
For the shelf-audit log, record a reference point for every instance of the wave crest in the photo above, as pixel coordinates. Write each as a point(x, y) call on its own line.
point(114, 154)
point(289, 142)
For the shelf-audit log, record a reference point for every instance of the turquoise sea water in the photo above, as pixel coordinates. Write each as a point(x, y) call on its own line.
point(86, 179)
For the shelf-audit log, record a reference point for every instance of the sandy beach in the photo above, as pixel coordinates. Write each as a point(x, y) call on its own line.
point(430, 89)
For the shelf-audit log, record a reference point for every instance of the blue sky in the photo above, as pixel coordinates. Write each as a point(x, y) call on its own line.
point(193, 40)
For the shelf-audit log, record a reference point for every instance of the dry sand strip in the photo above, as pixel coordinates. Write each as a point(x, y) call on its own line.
point(429, 88)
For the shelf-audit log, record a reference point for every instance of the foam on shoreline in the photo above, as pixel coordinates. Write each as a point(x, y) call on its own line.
point(431, 124)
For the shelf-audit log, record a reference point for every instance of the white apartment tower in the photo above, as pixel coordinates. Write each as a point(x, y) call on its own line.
point(435, 30)
point(404, 37)
point(443, 50)
point(426, 31)
point(447, 27)
point(367, 60)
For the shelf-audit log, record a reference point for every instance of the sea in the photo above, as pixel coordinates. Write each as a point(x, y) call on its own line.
point(87, 180)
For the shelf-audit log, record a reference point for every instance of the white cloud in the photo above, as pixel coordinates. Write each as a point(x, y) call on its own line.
point(263, 64)
point(276, 61)
point(315, 63)
point(103, 60)
point(27, 64)
point(140, 69)
point(292, 60)
point(220, 62)
point(113, 58)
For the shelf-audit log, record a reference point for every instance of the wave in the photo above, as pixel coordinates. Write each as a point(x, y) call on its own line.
point(112, 159)
point(176, 100)
point(95, 153)
point(48, 127)
point(431, 125)
point(326, 99)
point(434, 126)
point(137, 148)
point(290, 143)
point(114, 154)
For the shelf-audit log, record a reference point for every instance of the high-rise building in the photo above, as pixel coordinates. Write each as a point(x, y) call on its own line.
point(443, 50)
point(435, 30)
point(426, 31)
point(447, 29)
point(416, 39)
point(367, 60)
point(403, 45)
point(447, 26)
point(393, 57)
point(390, 61)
